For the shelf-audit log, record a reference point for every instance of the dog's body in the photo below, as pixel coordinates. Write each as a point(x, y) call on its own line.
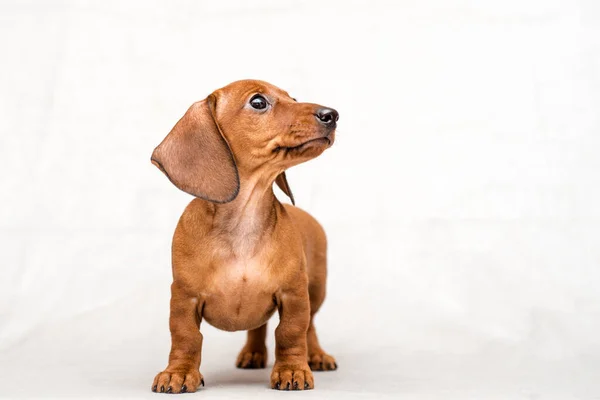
point(238, 253)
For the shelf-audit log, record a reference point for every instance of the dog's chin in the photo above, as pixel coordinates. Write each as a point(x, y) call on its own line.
point(318, 143)
point(315, 145)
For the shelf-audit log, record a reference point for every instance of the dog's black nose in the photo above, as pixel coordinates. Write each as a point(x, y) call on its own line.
point(327, 116)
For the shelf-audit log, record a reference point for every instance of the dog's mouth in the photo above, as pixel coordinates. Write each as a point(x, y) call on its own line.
point(312, 143)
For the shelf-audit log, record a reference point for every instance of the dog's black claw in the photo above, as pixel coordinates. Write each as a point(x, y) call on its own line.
point(296, 385)
point(288, 386)
point(162, 389)
point(334, 365)
point(305, 385)
point(183, 389)
point(278, 385)
point(202, 382)
point(169, 389)
point(154, 388)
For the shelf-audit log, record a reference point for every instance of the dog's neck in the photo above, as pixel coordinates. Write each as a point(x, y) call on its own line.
point(247, 219)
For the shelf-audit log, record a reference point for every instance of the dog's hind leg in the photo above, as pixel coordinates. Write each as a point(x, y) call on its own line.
point(254, 353)
point(318, 359)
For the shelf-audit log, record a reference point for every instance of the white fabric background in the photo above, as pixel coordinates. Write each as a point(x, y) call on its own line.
point(461, 198)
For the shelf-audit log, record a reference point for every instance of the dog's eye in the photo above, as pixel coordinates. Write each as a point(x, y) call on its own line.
point(258, 102)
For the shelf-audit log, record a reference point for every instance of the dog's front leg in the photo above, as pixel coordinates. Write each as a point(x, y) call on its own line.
point(291, 370)
point(182, 374)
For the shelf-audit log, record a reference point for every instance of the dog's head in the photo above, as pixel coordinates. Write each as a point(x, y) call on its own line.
point(245, 128)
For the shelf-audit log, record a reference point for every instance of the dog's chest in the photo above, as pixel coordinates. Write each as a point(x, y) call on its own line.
point(240, 274)
point(241, 296)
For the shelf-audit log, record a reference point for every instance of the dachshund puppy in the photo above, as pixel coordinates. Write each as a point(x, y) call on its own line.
point(239, 254)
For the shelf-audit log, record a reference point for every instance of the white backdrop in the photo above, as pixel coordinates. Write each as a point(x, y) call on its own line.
point(461, 198)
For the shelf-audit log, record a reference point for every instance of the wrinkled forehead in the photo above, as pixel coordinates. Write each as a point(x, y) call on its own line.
point(242, 90)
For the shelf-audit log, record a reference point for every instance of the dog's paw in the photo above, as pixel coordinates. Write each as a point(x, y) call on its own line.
point(322, 362)
point(177, 381)
point(291, 377)
point(249, 359)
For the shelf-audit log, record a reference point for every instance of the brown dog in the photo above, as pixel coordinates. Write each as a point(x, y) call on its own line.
point(238, 253)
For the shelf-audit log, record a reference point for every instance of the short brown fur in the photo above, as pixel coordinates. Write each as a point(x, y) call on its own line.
point(239, 254)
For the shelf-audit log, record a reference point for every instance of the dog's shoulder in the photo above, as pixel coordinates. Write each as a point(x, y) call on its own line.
point(196, 217)
point(305, 222)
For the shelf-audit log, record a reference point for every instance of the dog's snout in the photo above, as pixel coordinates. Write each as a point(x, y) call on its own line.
point(327, 116)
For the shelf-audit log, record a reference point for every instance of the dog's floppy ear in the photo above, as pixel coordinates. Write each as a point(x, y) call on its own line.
point(283, 184)
point(196, 157)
